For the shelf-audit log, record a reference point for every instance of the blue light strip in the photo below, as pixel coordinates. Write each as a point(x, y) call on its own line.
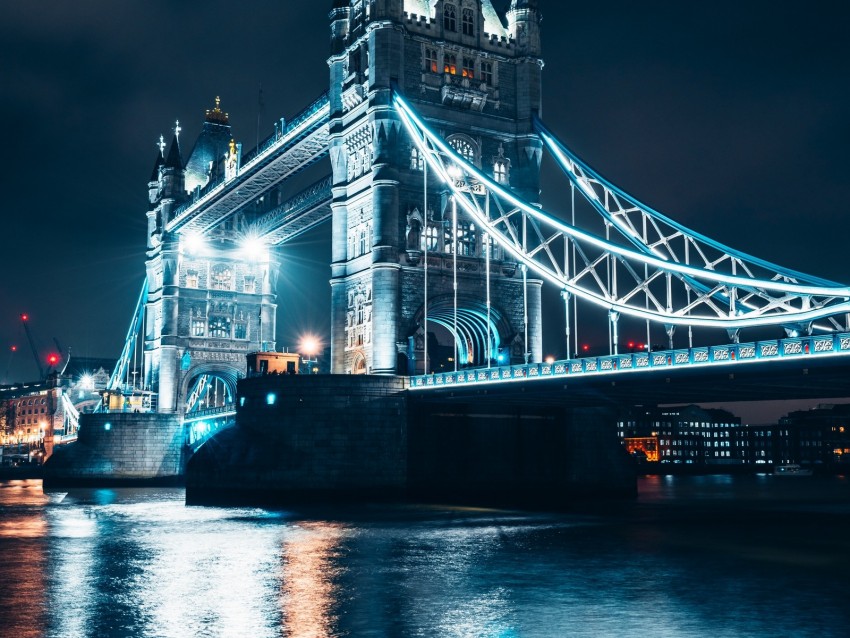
point(422, 136)
point(564, 155)
point(737, 354)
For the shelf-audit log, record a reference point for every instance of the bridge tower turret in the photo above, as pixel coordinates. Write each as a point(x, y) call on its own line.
point(476, 81)
point(211, 290)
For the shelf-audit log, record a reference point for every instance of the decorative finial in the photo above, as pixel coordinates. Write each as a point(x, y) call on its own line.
point(177, 129)
point(161, 145)
point(215, 115)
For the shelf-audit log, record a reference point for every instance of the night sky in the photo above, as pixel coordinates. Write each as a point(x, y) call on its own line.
point(733, 118)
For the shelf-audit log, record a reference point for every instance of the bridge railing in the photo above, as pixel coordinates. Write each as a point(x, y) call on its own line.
point(738, 353)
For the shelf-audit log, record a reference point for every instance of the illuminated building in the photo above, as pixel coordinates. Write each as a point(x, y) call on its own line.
point(818, 437)
point(685, 434)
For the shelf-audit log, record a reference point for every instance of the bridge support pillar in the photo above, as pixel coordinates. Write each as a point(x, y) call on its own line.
point(483, 453)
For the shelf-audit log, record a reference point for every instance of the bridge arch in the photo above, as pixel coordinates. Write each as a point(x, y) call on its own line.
point(470, 333)
point(209, 386)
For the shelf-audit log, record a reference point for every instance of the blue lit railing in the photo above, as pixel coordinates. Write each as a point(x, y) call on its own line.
point(738, 353)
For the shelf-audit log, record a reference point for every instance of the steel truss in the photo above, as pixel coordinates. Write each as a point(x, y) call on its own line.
point(662, 272)
point(304, 141)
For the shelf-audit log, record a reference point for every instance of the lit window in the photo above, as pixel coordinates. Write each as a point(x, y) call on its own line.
point(468, 22)
point(417, 161)
point(500, 172)
point(468, 68)
point(431, 238)
point(362, 242)
point(464, 149)
point(219, 327)
point(450, 63)
point(192, 279)
point(450, 17)
point(250, 284)
point(198, 327)
point(221, 278)
point(431, 60)
point(487, 73)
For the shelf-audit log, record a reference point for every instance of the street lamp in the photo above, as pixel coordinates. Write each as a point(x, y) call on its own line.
point(309, 349)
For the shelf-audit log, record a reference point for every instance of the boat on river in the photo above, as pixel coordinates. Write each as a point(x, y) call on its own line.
point(791, 469)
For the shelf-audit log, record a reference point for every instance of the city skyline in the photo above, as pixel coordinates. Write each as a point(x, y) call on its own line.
point(729, 125)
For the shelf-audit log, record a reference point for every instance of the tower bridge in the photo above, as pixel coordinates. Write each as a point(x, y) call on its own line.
point(434, 140)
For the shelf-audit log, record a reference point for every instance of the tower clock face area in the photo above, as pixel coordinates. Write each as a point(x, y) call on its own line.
point(474, 78)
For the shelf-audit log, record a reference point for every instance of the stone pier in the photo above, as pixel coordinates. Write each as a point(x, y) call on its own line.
point(121, 449)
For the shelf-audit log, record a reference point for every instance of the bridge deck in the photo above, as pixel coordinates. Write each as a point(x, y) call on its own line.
point(803, 367)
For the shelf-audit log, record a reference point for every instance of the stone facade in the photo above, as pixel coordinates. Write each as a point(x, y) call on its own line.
point(115, 448)
point(211, 300)
point(478, 83)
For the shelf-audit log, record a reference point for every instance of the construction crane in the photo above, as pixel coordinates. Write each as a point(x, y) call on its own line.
point(53, 358)
point(25, 319)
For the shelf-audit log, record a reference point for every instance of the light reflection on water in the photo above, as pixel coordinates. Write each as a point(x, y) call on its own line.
point(694, 557)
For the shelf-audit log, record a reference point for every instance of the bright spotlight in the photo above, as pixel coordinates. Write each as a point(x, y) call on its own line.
point(87, 382)
point(310, 345)
point(550, 359)
point(193, 243)
point(253, 248)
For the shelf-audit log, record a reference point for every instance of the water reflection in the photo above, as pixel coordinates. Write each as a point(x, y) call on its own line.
point(311, 566)
point(685, 561)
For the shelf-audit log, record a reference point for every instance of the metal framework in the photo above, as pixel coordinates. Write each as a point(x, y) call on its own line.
point(304, 211)
point(652, 268)
point(304, 141)
point(127, 351)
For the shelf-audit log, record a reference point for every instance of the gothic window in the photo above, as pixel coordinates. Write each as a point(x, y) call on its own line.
point(240, 330)
point(220, 327)
point(431, 235)
point(198, 327)
point(431, 60)
point(490, 245)
point(466, 239)
point(500, 172)
point(352, 246)
point(449, 17)
point(468, 22)
point(417, 161)
point(221, 278)
point(487, 73)
point(250, 285)
point(361, 241)
point(464, 149)
point(192, 279)
point(468, 68)
point(450, 63)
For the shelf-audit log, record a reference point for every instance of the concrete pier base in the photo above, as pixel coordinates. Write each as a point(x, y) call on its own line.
point(320, 439)
point(120, 449)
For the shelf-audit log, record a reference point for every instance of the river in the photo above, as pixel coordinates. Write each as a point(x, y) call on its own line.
point(693, 556)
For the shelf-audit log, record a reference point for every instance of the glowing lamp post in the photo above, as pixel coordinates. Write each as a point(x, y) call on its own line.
point(309, 349)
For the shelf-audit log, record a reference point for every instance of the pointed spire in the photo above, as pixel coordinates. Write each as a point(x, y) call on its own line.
point(175, 158)
point(160, 159)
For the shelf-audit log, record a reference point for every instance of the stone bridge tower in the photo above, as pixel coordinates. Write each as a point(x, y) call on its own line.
point(211, 296)
point(476, 78)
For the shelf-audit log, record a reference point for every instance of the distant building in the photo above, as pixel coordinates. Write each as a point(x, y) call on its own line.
point(684, 434)
point(35, 417)
point(820, 436)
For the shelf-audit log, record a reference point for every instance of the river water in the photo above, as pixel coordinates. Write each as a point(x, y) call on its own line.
point(693, 556)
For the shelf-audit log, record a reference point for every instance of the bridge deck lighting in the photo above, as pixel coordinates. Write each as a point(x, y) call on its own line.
point(271, 397)
point(107, 426)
